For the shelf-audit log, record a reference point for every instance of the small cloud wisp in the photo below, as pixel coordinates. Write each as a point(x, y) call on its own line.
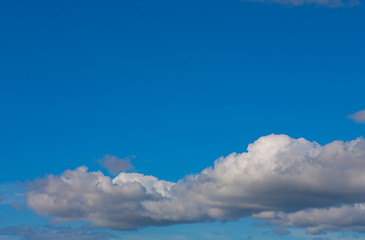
point(324, 3)
point(358, 117)
point(115, 165)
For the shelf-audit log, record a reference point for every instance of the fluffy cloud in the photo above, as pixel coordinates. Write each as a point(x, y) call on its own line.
point(358, 117)
point(115, 165)
point(279, 179)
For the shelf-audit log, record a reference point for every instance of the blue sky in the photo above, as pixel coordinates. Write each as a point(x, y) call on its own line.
point(170, 86)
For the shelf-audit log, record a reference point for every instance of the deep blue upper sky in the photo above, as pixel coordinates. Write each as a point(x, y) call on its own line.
point(176, 83)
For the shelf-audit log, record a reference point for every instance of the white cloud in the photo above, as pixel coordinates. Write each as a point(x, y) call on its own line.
point(277, 175)
point(358, 117)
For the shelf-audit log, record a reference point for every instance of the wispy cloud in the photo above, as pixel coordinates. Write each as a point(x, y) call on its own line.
point(280, 231)
point(12, 194)
point(326, 3)
point(115, 165)
point(280, 179)
point(55, 233)
point(358, 117)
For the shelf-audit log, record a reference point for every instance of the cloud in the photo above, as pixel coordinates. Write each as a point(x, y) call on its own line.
point(326, 3)
point(281, 231)
point(115, 165)
point(55, 233)
point(278, 179)
point(16, 206)
point(358, 117)
point(12, 192)
point(342, 218)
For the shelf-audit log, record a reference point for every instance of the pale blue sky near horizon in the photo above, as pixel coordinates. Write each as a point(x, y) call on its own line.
point(177, 84)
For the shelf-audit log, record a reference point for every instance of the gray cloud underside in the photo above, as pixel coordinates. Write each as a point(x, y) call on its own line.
point(342, 218)
point(288, 182)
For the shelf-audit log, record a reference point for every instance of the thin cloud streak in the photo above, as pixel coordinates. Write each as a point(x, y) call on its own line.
point(55, 233)
point(324, 3)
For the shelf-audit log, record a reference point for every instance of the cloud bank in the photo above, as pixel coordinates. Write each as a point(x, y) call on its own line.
point(288, 182)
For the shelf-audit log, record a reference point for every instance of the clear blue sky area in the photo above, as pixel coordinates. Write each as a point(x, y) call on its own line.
point(177, 84)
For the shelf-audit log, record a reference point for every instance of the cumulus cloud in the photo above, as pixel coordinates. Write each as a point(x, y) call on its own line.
point(326, 3)
point(115, 165)
point(358, 117)
point(279, 179)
